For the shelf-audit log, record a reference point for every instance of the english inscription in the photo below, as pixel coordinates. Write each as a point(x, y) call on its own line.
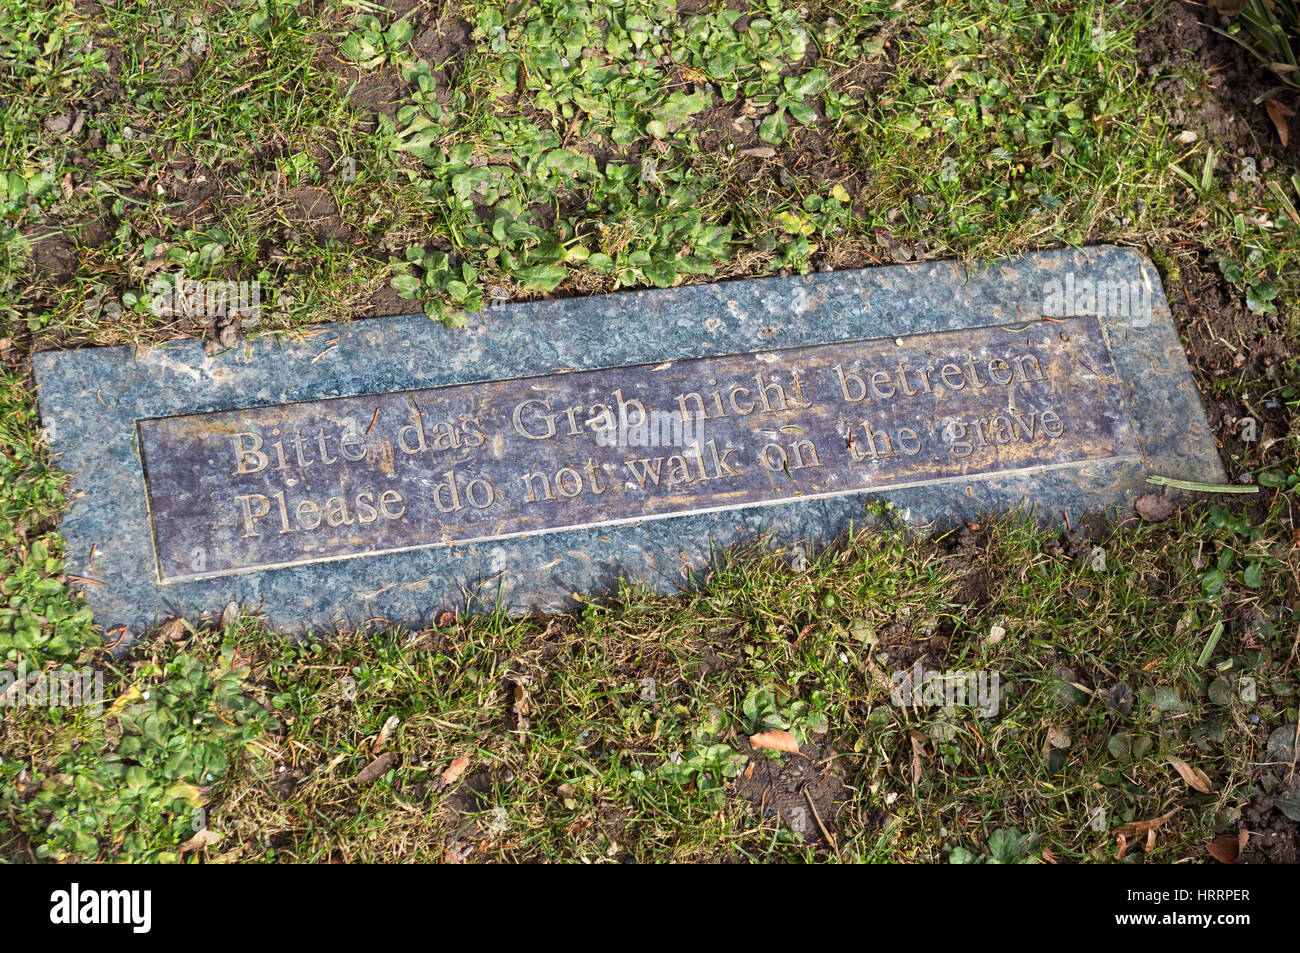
point(240, 490)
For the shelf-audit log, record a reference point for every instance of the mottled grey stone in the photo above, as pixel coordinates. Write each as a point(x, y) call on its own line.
point(1142, 417)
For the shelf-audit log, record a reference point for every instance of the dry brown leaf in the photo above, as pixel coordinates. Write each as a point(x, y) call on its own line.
point(1121, 843)
point(522, 708)
point(1142, 828)
point(385, 733)
point(1195, 777)
point(455, 770)
point(173, 630)
point(776, 740)
point(1279, 111)
point(21, 683)
point(1058, 737)
point(128, 697)
point(375, 769)
point(202, 839)
point(918, 747)
point(1225, 848)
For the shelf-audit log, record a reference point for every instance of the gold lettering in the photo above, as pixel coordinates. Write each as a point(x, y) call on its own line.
point(249, 515)
point(243, 453)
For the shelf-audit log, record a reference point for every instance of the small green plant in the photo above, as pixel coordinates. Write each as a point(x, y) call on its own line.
point(1260, 291)
point(708, 765)
point(134, 779)
point(41, 620)
point(448, 291)
point(1006, 846)
point(762, 711)
point(371, 44)
point(1243, 552)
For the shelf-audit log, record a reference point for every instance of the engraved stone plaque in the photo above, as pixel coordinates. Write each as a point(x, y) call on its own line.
point(386, 470)
point(253, 488)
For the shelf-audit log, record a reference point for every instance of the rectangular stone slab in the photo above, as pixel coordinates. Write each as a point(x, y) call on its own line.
point(238, 490)
point(391, 469)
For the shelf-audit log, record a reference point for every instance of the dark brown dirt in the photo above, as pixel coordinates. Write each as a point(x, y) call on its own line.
point(805, 791)
point(1274, 837)
point(1224, 339)
point(196, 190)
point(384, 300)
point(443, 41)
point(314, 210)
point(54, 255)
point(721, 652)
point(378, 92)
point(904, 647)
point(1180, 41)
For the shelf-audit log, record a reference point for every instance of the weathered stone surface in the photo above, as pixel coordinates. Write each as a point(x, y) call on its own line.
point(392, 469)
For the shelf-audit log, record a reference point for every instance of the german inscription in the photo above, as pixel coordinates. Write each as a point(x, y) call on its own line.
point(238, 490)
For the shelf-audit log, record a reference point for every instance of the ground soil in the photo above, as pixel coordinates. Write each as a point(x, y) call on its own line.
point(804, 791)
point(1274, 837)
point(1223, 338)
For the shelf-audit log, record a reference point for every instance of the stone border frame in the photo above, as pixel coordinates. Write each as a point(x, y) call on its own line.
point(90, 400)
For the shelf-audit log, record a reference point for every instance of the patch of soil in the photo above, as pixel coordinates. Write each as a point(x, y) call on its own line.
point(385, 300)
point(1180, 40)
point(221, 335)
point(379, 91)
point(94, 234)
point(54, 255)
point(871, 74)
point(687, 8)
point(964, 549)
point(1223, 338)
point(904, 648)
point(314, 210)
point(1274, 837)
point(443, 41)
point(471, 797)
point(195, 189)
point(805, 791)
point(720, 653)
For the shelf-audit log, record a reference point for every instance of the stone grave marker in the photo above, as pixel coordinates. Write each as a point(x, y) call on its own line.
point(388, 470)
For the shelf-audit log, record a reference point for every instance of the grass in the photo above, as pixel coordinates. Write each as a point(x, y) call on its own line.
point(612, 734)
point(350, 158)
